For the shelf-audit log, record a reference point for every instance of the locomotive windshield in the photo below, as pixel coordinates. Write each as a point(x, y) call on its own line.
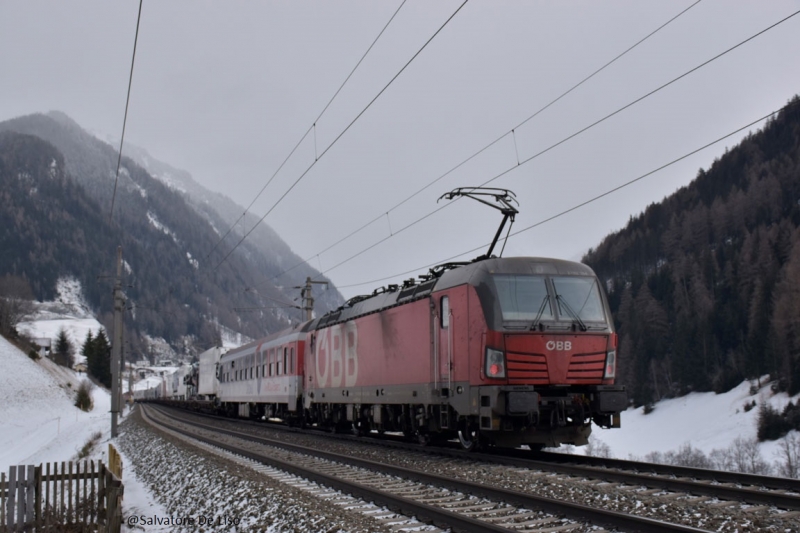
point(525, 297)
point(579, 297)
point(521, 297)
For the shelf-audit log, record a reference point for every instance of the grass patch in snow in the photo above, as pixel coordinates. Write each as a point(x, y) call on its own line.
point(87, 448)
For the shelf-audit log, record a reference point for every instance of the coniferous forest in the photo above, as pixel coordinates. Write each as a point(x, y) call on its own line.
point(705, 285)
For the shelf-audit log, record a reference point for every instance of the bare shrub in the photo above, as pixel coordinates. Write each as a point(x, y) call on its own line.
point(747, 457)
point(597, 448)
point(64, 520)
point(83, 396)
point(655, 457)
point(722, 459)
point(788, 455)
point(743, 455)
point(686, 455)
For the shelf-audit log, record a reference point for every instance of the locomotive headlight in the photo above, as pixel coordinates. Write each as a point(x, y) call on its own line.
point(611, 364)
point(495, 364)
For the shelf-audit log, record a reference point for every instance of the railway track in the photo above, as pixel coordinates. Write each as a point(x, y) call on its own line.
point(756, 490)
point(494, 505)
point(720, 476)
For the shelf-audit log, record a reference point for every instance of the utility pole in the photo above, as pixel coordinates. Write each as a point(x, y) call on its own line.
point(130, 386)
point(121, 366)
point(308, 299)
point(116, 345)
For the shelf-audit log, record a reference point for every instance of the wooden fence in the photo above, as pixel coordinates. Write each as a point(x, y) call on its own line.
point(78, 496)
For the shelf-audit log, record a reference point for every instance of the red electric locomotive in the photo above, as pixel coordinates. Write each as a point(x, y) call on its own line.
point(497, 351)
point(502, 351)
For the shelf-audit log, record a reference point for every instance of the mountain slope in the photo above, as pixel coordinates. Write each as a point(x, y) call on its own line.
point(705, 285)
point(58, 182)
point(223, 213)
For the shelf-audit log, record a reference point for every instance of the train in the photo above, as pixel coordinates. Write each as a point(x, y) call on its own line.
point(497, 352)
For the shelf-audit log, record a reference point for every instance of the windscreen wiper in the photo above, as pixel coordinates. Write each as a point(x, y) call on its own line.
point(536, 320)
point(571, 313)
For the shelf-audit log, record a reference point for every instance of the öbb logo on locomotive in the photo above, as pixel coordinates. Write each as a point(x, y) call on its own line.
point(337, 355)
point(559, 346)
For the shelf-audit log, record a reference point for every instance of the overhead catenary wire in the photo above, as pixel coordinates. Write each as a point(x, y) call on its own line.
point(498, 139)
point(240, 309)
point(312, 127)
point(575, 134)
point(643, 97)
point(582, 204)
point(125, 117)
point(305, 172)
point(273, 299)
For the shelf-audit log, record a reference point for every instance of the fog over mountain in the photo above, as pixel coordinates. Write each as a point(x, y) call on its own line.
point(58, 183)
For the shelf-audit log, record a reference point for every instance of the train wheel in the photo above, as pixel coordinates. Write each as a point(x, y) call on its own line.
point(469, 438)
point(423, 438)
point(360, 428)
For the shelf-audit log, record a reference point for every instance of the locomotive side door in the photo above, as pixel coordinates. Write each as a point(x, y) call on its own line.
point(444, 344)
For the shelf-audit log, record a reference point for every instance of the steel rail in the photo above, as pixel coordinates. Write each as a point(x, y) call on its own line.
point(721, 476)
point(599, 468)
point(571, 510)
point(424, 513)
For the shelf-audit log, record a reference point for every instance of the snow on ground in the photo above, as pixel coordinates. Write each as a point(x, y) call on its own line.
point(159, 348)
point(147, 383)
point(232, 339)
point(161, 227)
point(705, 420)
point(39, 420)
point(138, 500)
point(76, 328)
point(68, 311)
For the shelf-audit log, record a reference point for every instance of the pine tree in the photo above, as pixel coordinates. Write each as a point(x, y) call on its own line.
point(63, 351)
point(87, 350)
point(97, 351)
point(100, 367)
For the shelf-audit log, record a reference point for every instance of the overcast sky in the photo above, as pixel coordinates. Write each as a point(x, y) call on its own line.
point(225, 90)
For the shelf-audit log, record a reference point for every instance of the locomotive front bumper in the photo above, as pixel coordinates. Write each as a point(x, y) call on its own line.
point(498, 406)
point(495, 403)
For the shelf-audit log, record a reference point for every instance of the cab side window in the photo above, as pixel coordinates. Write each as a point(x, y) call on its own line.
point(445, 312)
